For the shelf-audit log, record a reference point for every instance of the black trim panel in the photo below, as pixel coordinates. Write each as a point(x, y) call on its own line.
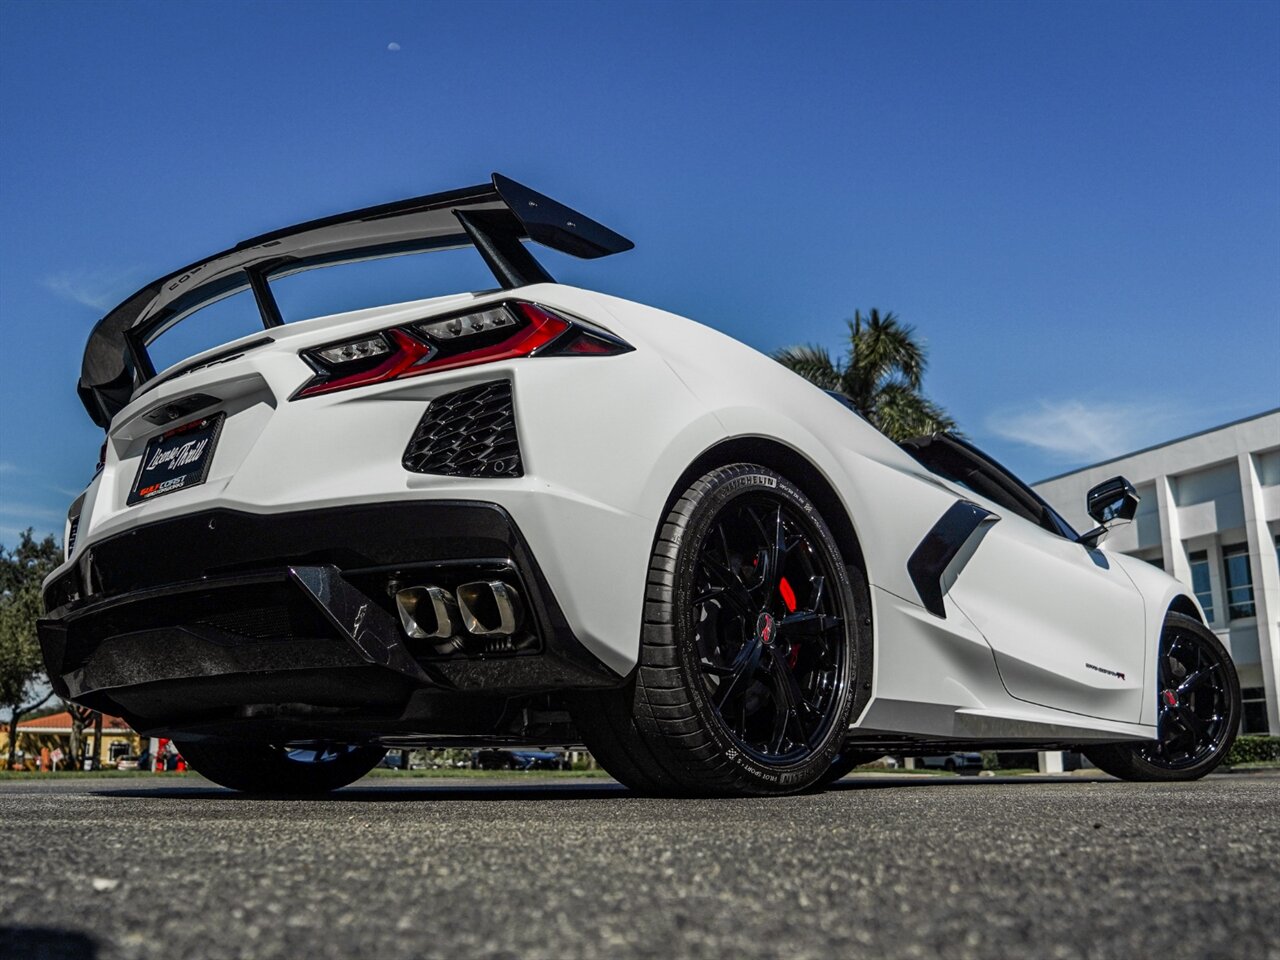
point(939, 547)
point(151, 616)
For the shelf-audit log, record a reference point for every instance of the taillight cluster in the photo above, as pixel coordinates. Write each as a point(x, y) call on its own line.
point(514, 328)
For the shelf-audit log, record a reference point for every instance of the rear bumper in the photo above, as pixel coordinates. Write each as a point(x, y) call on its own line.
point(223, 615)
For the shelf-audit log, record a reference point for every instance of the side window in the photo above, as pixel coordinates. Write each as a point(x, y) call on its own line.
point(1239, 581)
point(210, 326)
point(962, 464)
point(1199, 562)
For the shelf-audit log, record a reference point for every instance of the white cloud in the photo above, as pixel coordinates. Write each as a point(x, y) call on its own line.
point(393, 46)
point(1085, 430)
point(99, 289)
point(29, 512)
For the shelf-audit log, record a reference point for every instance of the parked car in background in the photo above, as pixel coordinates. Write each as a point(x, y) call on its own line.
point(540, 759)
point(492, 759)
point(496, 759)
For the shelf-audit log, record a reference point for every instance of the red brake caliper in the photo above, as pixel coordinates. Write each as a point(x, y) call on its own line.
point(789, 598)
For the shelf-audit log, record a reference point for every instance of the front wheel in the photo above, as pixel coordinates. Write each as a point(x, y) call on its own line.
point(267, 768)
point(1198, 710)
point(745, 681)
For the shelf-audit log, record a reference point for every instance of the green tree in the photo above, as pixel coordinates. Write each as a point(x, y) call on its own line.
point(881, 374)
point(21, 668)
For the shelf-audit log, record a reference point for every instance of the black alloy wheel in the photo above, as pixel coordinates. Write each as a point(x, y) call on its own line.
point(1194, 702)
point(1197, 710)
point(748, 650)
point(768, 635)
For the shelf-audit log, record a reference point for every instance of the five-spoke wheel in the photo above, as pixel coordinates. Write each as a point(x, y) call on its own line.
point(1197, 710)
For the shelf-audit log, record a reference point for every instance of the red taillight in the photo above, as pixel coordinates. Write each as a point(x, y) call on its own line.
point(502, 332)
point(586, 343)
point(404, 353)
point(540, 328)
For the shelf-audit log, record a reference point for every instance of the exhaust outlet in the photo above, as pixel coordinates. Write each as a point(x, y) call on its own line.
point(490, 608)
point(427, 613)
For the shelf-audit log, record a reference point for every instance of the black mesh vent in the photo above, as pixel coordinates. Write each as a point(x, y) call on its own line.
point(468, 433)
point(255, 623)
point(71, 534)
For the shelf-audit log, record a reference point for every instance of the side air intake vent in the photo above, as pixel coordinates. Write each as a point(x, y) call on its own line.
point(468, 433)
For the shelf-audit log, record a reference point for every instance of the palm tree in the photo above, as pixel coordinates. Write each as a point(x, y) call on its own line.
point(881, 375)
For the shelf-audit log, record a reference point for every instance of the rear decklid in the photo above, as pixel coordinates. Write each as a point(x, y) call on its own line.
point(495, 217)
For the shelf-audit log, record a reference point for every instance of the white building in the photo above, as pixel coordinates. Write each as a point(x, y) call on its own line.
point(1210, 516)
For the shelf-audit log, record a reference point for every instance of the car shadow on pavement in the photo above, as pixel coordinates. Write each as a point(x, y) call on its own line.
point(876, 783)
point(426, 790)
point(46, 943)
point(365, 793)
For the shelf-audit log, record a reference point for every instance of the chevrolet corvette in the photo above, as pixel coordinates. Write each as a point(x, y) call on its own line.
point(542, 515)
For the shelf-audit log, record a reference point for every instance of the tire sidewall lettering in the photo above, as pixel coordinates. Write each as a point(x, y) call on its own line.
point(801, 773)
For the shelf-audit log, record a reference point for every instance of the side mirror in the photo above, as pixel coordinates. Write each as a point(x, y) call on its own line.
point(1111, 501)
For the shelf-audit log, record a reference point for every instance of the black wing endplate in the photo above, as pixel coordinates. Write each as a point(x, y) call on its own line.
point(495, 217)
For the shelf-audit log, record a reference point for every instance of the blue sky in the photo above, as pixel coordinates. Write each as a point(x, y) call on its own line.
point(1077, 205)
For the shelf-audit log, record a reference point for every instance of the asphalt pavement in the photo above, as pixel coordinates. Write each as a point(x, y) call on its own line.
point(888, 866)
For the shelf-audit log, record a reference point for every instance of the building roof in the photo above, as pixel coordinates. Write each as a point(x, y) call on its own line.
point(61, 723)
point(1157, 446)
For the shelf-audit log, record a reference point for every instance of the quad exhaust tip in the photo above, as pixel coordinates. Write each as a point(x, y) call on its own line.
point(427, 612)
point(483, 608)
point(490, 608)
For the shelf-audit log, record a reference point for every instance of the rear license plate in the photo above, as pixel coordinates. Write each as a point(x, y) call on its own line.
point(177, 459)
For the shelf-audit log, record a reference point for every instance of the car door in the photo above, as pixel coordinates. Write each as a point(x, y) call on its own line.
point(1066, 624)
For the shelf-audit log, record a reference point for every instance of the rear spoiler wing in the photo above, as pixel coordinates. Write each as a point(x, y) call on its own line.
point(495, 217)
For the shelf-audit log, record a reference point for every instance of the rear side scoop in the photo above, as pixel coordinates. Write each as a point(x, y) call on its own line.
point(934, 565)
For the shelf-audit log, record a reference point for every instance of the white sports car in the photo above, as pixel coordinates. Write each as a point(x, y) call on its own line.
point(542, 515)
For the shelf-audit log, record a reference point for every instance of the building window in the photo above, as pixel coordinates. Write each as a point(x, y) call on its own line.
point(1157, 561)
point(1239, 581)
point(1199, 561)
point(1254, 701)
